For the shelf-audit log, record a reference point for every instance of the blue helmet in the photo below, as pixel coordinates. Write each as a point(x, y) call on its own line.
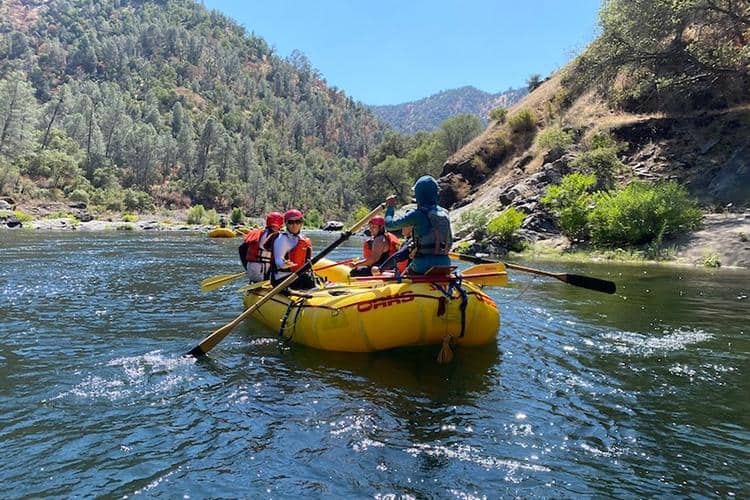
point(426, 191)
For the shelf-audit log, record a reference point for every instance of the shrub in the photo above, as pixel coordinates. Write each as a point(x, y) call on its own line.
point(474, 220)
point(569, 202)
point(23, 216)
point(211, 218)
point(499, 115)
point(504, 225)
point(360, 213)
point(129, 218)
point(523, 121)
point(602, 162)
point(138, 201)
point(462, 247)
point(553, 137)
point(313, 219)
point(79, 195)
point(711, 259)
point(237, 217)
point(196, 214)
point(641, 213)
point(533, 82)
point(497, 147)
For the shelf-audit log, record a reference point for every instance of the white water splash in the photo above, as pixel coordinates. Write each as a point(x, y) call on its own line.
point(467, 453)
point(631, 343)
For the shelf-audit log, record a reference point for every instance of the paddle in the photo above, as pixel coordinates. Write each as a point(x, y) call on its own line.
point(595, 284)
point(215, 282)
point(218, 335)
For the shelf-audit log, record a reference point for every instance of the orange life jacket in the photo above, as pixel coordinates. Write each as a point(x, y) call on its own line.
point(255, 253)
point(393, 245)
point(301, 253)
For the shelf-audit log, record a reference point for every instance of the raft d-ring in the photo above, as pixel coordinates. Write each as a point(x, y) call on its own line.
point(335, 312)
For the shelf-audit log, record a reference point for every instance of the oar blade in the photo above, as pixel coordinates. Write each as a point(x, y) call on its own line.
point(589, 282)
point(214, 282)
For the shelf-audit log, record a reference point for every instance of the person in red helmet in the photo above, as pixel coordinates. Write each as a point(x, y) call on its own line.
point(255, 257)
point(290, 252)
point(377, 249)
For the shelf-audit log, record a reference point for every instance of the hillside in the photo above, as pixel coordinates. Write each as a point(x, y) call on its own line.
point(131, 104)
point(692, 129)
point(427, 114)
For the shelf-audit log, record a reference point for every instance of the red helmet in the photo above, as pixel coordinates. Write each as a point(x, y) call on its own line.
point(378, 219)
point(293, 214)
point(274, 219)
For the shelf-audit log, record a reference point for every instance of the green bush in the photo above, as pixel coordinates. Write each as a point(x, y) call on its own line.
point(211, 218)
point(129, 218)
point(360, 213)
point(79, 195)
point(504, 225)
point(474, 220)
point(641, 213)
point(237, 217)
point(196, 214)
point(523, 121)
point(23, 216)
point(553, 137)
point(138, 201)
point(499, 115)
point(569, 202)
point(313, 219)
point(603, 162)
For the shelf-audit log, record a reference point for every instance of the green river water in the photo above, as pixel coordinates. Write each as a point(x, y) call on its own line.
point(642, 393)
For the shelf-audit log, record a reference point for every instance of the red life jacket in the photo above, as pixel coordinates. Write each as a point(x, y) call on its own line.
point(301, 253)
point(256, 253)
point(393, 245)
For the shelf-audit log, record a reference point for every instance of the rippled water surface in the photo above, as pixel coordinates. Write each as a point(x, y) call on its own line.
point(641, 393)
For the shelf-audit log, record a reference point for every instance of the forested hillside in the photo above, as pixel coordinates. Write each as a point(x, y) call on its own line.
point(132, 104)
point(427, 114)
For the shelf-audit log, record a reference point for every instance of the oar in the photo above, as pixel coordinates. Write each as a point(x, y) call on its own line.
point(218, 335)
point(214, 282)
point(589, 282)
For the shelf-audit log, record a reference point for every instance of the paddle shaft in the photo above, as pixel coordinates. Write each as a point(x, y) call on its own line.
point(596, 284)
point(217, 336)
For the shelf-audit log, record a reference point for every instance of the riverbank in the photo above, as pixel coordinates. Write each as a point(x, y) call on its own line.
point(55, 216)
point(724, 239)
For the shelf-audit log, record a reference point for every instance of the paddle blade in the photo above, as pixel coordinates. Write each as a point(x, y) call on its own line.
point(215, 282)
point(488, 278)
point(589, 282)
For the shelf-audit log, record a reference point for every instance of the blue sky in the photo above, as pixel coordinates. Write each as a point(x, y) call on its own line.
point(389, 51)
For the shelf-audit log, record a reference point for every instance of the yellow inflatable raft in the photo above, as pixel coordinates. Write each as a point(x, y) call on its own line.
point(372, 316)
point(221, 232)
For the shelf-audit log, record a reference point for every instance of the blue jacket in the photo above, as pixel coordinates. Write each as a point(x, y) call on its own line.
point(426, 193)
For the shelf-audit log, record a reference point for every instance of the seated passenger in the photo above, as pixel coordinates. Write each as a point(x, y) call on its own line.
point(255, 258)
point(291, 251)
point(377, 249)
point(399, 261)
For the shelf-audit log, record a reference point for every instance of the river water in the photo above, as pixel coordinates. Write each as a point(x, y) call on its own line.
point(646, 392)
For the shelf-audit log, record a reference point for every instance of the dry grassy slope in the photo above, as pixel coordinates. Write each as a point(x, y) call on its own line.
point(707, 151)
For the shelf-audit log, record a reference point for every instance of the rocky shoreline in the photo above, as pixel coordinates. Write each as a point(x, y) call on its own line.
point(54, 216)
point(724, 239)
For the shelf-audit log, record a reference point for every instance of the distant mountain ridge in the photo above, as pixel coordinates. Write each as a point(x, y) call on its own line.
point(428, 113)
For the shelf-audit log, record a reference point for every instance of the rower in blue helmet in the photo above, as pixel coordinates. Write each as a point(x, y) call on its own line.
point(431, 226)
